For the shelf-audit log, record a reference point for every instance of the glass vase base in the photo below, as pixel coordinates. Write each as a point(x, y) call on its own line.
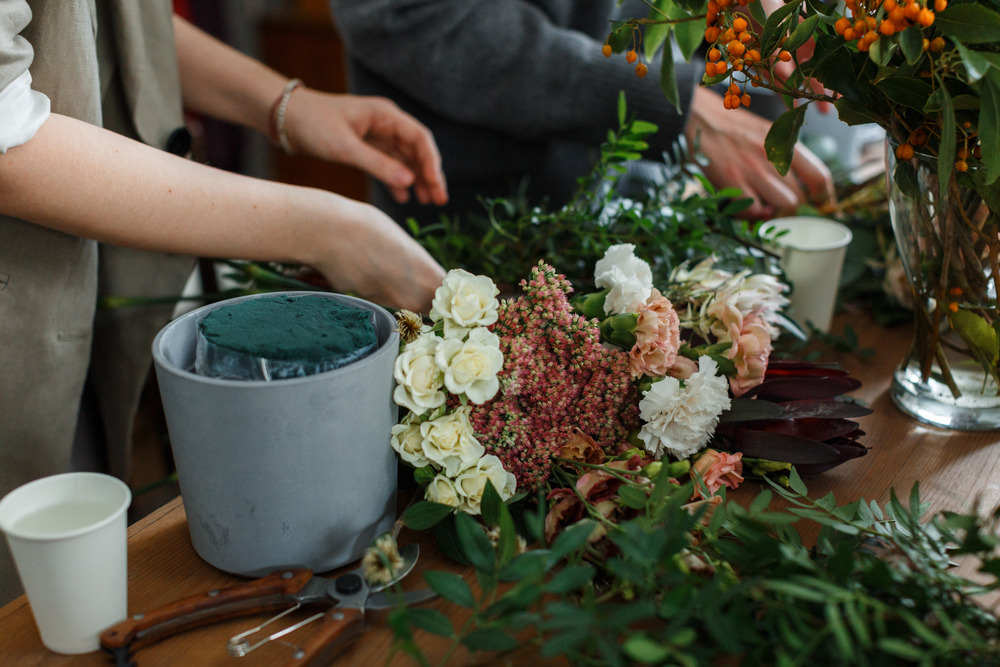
point(931, 401)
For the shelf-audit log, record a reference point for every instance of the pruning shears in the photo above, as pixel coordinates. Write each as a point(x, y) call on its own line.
point(344, 600)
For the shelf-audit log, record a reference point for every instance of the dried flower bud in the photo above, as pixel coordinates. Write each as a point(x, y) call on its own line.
point(409, 325)
point(382, 562)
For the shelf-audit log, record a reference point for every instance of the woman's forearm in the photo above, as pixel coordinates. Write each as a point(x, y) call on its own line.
point(219, 81)
point(93, 183)
point(90, 182)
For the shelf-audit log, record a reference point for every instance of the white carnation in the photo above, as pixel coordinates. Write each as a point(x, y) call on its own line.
point(450, 443)
point(464, 301)
point(628, 279)
point(471, 483)
point(471, 366)
point(680, 419)
point(419, 380)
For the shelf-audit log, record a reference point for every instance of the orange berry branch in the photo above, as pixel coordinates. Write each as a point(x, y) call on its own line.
point(928, 71)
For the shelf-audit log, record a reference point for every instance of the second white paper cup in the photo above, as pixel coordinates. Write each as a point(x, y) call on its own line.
point(812, 256)
point(67, 535)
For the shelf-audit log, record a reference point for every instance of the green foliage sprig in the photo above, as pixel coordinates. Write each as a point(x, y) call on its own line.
point(735, 584)
point(673, 222)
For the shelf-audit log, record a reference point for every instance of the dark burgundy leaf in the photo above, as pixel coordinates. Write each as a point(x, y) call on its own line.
point(787, 366)
point(847, 452)
point(829, 409)
point(751, 409)
point(780, 447)
point(812, 429)
point(796, 388)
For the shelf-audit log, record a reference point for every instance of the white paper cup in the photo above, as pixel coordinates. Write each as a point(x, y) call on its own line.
point(812, 255)
point(67, 535)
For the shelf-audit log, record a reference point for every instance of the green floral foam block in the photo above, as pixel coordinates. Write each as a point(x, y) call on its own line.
point(279, 337)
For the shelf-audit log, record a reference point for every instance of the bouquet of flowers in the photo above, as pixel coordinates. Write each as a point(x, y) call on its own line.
point(628, 427)
point(501, 392)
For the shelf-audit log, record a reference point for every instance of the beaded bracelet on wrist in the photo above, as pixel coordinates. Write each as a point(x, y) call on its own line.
point(279, 136)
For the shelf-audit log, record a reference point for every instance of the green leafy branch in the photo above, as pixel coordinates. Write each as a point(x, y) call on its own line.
point(674, 221)
point(672, 585)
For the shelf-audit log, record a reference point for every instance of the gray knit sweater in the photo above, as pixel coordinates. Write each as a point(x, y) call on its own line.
point(510, 88)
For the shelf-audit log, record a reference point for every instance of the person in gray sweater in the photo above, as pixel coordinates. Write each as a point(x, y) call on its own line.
point(515, 89)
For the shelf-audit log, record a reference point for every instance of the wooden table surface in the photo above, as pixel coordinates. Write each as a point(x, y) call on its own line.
point(955, 469)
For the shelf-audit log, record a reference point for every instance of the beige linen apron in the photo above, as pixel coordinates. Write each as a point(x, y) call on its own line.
point(93, 58)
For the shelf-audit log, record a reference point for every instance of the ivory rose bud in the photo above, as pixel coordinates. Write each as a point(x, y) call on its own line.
point(409, 443)
point(717, 469)
point(450, 443)
point(749, 352)
point(464, 301)
point(628, 279)
point(471, 483)
point(471, 366)
point(419, 380)
point(442, 490)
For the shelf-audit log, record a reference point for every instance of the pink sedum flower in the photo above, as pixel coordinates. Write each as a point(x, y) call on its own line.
point(750, 351)
point(657, 338)
point(557, 378)
point(717, 469)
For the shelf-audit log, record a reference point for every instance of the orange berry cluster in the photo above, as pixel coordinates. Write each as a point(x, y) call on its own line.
point(640, 69)
point(871, 19)
point(969, 145)
point(735, 48)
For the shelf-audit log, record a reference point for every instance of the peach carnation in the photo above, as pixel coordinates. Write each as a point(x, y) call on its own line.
point(657, 338)
point(717, 469)
point(750, 351)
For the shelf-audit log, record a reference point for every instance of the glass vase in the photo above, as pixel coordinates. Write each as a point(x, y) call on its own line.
point(948, 243)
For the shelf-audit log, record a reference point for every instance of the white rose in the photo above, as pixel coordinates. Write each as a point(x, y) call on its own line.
point(681, 419)
point(471, 367)
point(464, 301)
point(418, 376)
point(627, 278)
point(450, 443)
point(408, 442)
point(442, 490)
point(471, 483)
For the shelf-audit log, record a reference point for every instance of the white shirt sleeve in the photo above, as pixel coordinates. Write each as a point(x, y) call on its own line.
point(22, 112)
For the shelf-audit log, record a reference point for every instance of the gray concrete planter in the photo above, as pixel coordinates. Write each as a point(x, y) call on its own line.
point(287, 473)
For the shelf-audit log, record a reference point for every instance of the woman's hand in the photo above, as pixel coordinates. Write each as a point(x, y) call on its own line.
point(370, 133)
point(733, 141)
point(368, 254)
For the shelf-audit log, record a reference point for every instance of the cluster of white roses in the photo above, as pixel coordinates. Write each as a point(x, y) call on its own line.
point(458, 354)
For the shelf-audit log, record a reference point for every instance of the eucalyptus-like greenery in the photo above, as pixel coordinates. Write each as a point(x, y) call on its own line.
point(685, 218)
point(736, 585)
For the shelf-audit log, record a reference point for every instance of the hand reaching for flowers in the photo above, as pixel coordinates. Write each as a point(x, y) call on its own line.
point(735, 148)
